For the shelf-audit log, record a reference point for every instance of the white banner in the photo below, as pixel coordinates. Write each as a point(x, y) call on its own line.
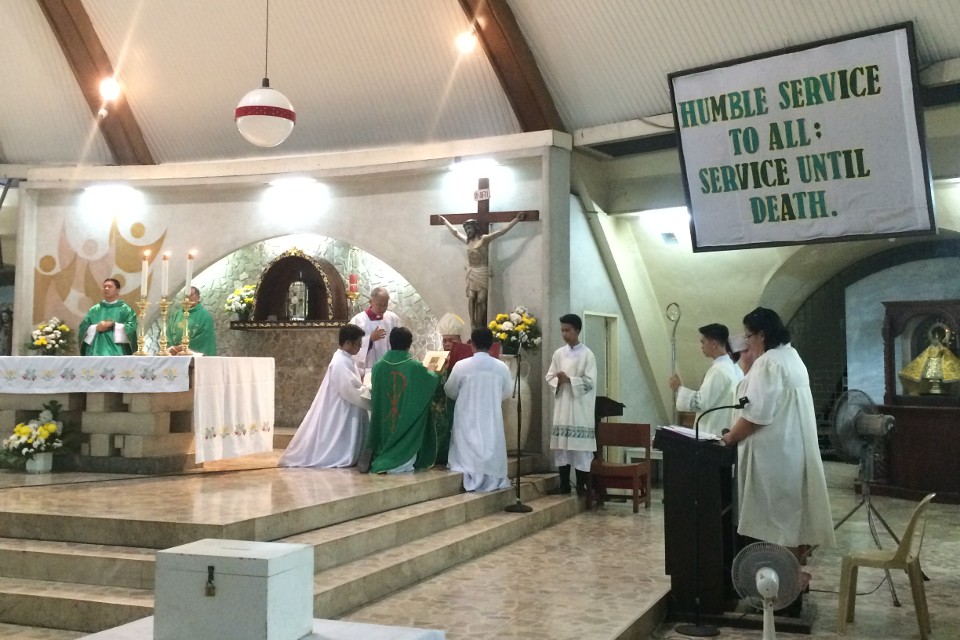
point(817, 143)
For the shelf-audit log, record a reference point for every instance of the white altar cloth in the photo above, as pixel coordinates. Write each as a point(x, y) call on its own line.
point(322, 630)
point(97, 374)
point(233, 408)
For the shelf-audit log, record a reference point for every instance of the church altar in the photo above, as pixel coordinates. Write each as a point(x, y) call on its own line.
point(148, 407)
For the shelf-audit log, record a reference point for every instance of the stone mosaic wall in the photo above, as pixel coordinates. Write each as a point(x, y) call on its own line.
point(302, 355)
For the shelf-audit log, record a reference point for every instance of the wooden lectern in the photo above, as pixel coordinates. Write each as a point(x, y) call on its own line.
point(684, 460)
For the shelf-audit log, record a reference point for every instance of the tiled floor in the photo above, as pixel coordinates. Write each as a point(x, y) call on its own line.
point(584, 578)
point(576, 579)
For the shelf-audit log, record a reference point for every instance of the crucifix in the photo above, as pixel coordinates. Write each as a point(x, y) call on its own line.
point(477, 236)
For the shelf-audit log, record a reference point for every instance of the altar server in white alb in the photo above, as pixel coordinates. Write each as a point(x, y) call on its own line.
point(335, 428)
point(377, 321)
point(719, 387)
point(782, 489)
point(573, 377)
point(478, 448)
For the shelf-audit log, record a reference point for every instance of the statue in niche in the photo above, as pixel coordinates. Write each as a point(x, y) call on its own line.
point(478, 264)
point(935, 367)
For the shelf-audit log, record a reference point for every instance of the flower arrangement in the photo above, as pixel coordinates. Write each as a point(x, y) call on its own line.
point(516, 330)
point(241, 300)
point(50, 337)
point(43, 434)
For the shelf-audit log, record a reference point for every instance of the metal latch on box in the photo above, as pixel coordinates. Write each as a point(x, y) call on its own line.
point(210, 589)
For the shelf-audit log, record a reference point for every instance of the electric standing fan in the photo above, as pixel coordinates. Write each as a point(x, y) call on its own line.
point(857, 428)
point(767, 576)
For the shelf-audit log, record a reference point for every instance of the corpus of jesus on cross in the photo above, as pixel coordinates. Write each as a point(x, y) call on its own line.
point(478, 237)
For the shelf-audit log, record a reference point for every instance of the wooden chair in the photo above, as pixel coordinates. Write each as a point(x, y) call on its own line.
point(619, 475)
point(906, 557)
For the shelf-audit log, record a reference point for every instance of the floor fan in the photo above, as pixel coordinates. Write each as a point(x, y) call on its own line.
point(767, 576)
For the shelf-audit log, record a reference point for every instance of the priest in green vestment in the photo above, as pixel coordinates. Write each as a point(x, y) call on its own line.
point(110, 327)
point(399, 437)
point(203, 338)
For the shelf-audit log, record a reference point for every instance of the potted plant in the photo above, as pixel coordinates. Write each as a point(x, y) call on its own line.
point(240, 302)
point(50, 338)
point(35, 441)
point(516, 330)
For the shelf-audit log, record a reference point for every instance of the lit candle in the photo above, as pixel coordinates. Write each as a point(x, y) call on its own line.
point(145, 274)
point(353, 283)
point(165, 275)
point(186, 287)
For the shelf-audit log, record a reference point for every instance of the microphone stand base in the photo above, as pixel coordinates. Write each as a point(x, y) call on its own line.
point(697, 630)
point(519, 507)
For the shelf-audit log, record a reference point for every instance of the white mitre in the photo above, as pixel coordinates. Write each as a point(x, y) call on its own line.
point(450, 325)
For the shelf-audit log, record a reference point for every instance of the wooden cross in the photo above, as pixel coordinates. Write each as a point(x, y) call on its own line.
point(483, 216)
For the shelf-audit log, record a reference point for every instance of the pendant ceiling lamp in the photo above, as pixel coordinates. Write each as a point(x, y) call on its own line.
point(264, 116)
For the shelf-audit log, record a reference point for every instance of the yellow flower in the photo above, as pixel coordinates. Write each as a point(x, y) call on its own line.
point(40, 341)
point(501, 317)
point(493, 326)
point(64, 328)
point(503, 336)
point(530, 320)
point(521, 327)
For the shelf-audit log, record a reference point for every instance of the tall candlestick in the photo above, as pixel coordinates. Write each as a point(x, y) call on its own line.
point(165, 275)
point(353, 283)
point(145, 273)
point(186, 287)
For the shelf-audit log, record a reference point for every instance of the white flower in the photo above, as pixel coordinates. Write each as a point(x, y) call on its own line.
point(516, 318)
point(521, 310)
point(507, 326)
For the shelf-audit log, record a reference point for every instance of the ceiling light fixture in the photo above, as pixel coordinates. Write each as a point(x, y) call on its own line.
point(467, 41)
point(265, 117)
point(109, 89)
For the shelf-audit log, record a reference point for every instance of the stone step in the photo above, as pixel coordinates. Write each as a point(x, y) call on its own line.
point(19, 632)
point(385, 540)
point(60, 605)
point(350, 586)
point(78, 563)
point(338, 544)
point(269, 526)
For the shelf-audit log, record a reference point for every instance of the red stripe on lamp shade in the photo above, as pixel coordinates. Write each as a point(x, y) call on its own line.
point(263, 110)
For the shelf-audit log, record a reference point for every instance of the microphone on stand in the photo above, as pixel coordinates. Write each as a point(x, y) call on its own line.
point(697, 629)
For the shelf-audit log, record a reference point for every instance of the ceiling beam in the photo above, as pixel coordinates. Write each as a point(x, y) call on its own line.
point(86, 56)
point(502, 40)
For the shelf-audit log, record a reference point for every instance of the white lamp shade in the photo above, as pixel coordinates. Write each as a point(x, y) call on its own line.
point(265, 117)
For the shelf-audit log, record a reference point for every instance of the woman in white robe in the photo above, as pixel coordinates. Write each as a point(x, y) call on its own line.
point(719, 386)
point(782, 488)
point(335, 428)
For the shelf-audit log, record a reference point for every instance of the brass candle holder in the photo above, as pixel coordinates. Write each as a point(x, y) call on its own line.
point(164, 306)
point(142, 305)
point(185, 341)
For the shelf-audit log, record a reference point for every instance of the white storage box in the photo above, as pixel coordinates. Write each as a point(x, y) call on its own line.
point(260, 591)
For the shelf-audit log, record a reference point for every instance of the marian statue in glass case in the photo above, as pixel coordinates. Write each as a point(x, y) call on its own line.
point(936, 369)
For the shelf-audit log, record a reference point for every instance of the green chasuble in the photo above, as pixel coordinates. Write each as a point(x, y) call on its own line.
point(203, 338)
point(103, 343)
point(402, 389)
point(441, 419)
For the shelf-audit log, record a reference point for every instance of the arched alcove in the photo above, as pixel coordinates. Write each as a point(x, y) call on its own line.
point(326, 295)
